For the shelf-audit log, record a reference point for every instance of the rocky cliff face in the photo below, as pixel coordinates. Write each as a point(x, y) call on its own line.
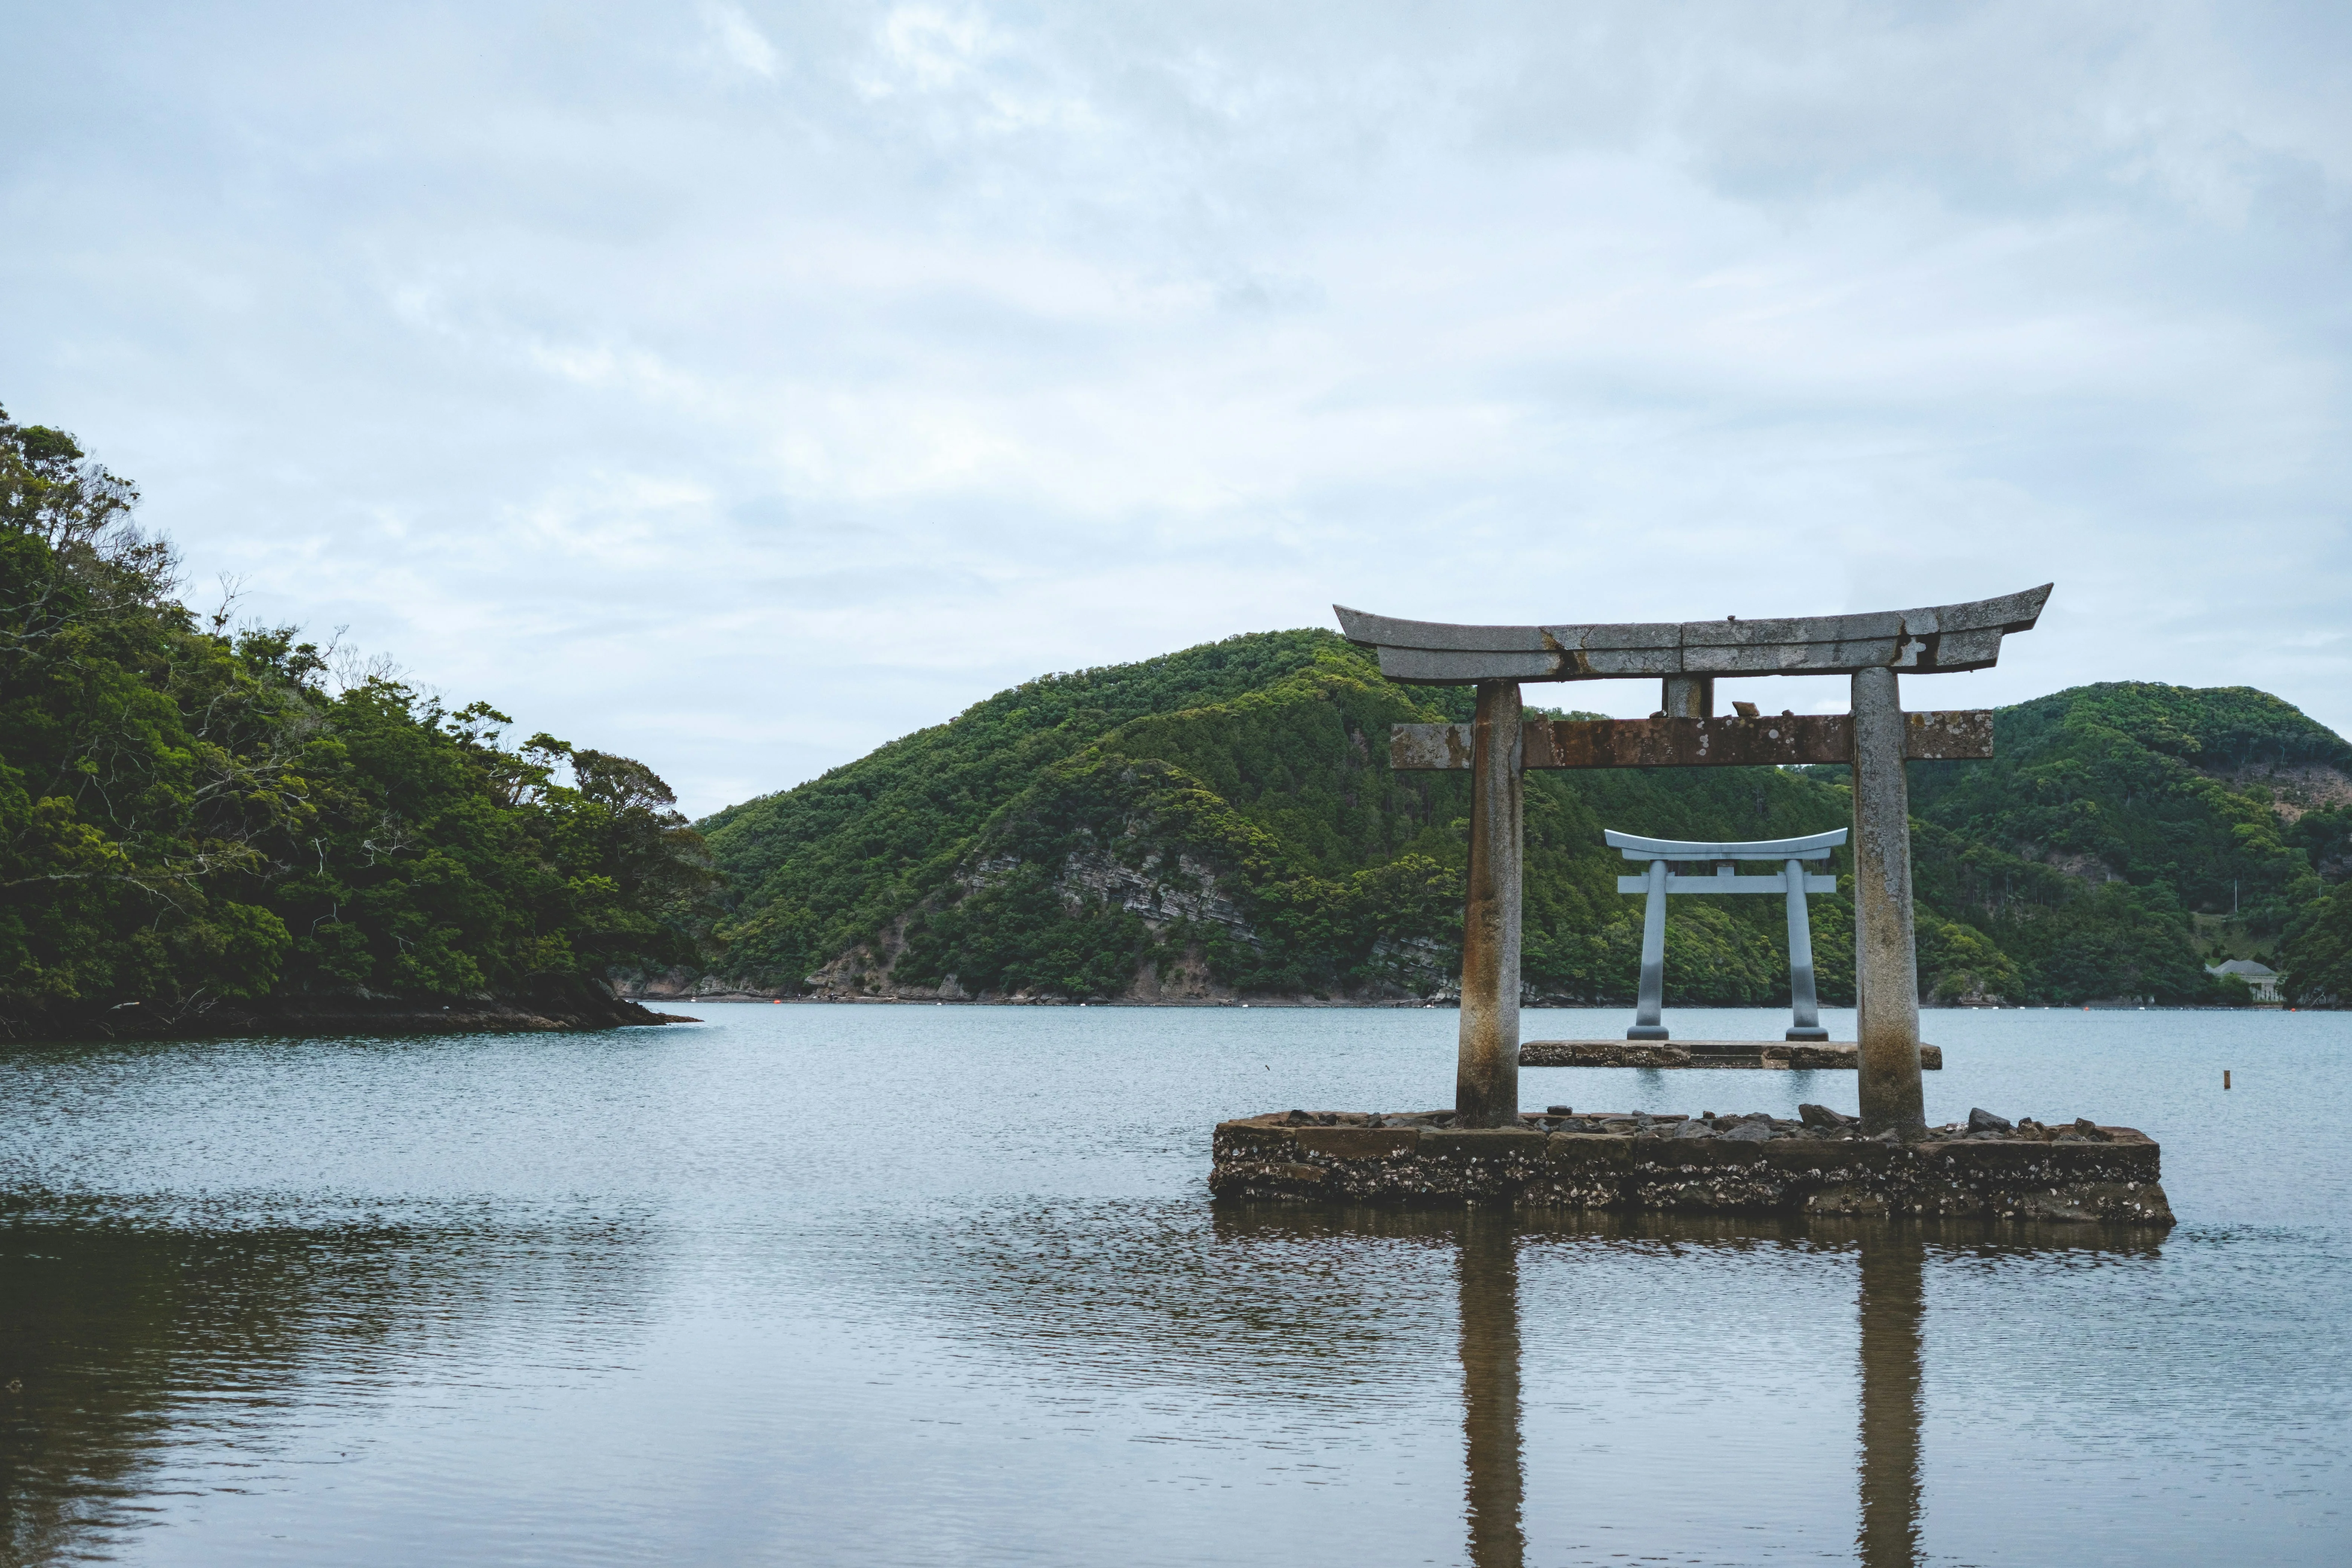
point(1180, 902)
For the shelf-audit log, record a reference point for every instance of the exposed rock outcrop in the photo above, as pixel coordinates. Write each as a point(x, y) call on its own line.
point(1167, 892)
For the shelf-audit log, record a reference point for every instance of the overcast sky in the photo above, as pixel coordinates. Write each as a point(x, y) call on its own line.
point(739, 385)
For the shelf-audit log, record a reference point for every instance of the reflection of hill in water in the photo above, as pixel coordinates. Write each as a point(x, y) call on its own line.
point(155, 1360)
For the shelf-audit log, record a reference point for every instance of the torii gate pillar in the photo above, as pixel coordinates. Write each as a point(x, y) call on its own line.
point(1486, 1080)
point(1886, 967)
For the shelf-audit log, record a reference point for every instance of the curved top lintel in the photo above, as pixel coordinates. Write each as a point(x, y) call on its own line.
point(1815, 848)
point(1931, 638)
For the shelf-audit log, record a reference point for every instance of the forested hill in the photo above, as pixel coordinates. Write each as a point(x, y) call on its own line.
point(2112, 815)
point(1224, 821)
point(206, 826)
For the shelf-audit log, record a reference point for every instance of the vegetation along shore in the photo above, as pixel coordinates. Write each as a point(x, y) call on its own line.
point(207, 827)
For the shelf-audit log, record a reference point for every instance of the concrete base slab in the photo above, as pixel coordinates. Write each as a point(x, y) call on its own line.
point(1785, 1055)
point(2082, 1176)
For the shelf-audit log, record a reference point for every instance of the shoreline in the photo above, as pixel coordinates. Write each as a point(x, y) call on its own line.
point(756, 998)
point(311, 1017)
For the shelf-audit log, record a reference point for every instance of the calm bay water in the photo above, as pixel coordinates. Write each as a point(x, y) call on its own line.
point(913, 1285)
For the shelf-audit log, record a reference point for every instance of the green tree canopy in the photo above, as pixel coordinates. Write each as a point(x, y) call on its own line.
point(193, 813)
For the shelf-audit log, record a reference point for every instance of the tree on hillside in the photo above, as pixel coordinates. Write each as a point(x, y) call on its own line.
point(2318, 954)
point(190, 814)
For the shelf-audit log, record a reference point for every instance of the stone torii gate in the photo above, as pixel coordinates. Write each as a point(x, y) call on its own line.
point(1876, 738)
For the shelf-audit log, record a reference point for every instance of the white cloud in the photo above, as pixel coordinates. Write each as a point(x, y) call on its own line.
point(931, 48)
point(738, 40)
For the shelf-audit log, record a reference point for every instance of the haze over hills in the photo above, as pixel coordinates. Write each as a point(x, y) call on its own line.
point(1223, 821)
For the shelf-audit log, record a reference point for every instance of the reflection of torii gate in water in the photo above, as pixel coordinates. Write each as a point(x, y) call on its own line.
point(1892, 1263)
point(1877, 737)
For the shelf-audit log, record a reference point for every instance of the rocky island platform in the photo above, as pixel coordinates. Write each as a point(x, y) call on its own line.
point(1988, 1168)
point(1792, 1055)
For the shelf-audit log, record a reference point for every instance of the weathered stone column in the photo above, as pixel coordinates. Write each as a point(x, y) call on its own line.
point(1688, 697)
point(1486, 1082)
point(1885, 959)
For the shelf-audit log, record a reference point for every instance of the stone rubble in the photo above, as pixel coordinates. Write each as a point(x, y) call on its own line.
point(1817, 1123)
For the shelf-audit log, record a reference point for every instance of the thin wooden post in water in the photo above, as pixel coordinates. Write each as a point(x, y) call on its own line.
point(1886, 972)
point(1486, 1081)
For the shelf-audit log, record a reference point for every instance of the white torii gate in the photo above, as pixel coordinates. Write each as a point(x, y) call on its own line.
point(1805, 1023)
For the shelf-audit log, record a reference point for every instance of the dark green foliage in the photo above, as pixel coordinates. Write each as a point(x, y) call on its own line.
point(1957, 961)
point(2318, 954)
point(2108, 816)
point(2324, 837)
point(189, 815)
point(2232, 991)
point(1254, 823)
point(1018, 935)
point(833, 863)
point(2151, 784)
point(1233, 805)
point(1308, 846)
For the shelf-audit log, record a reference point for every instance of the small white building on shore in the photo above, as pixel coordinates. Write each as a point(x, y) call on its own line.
point(2260, 978)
